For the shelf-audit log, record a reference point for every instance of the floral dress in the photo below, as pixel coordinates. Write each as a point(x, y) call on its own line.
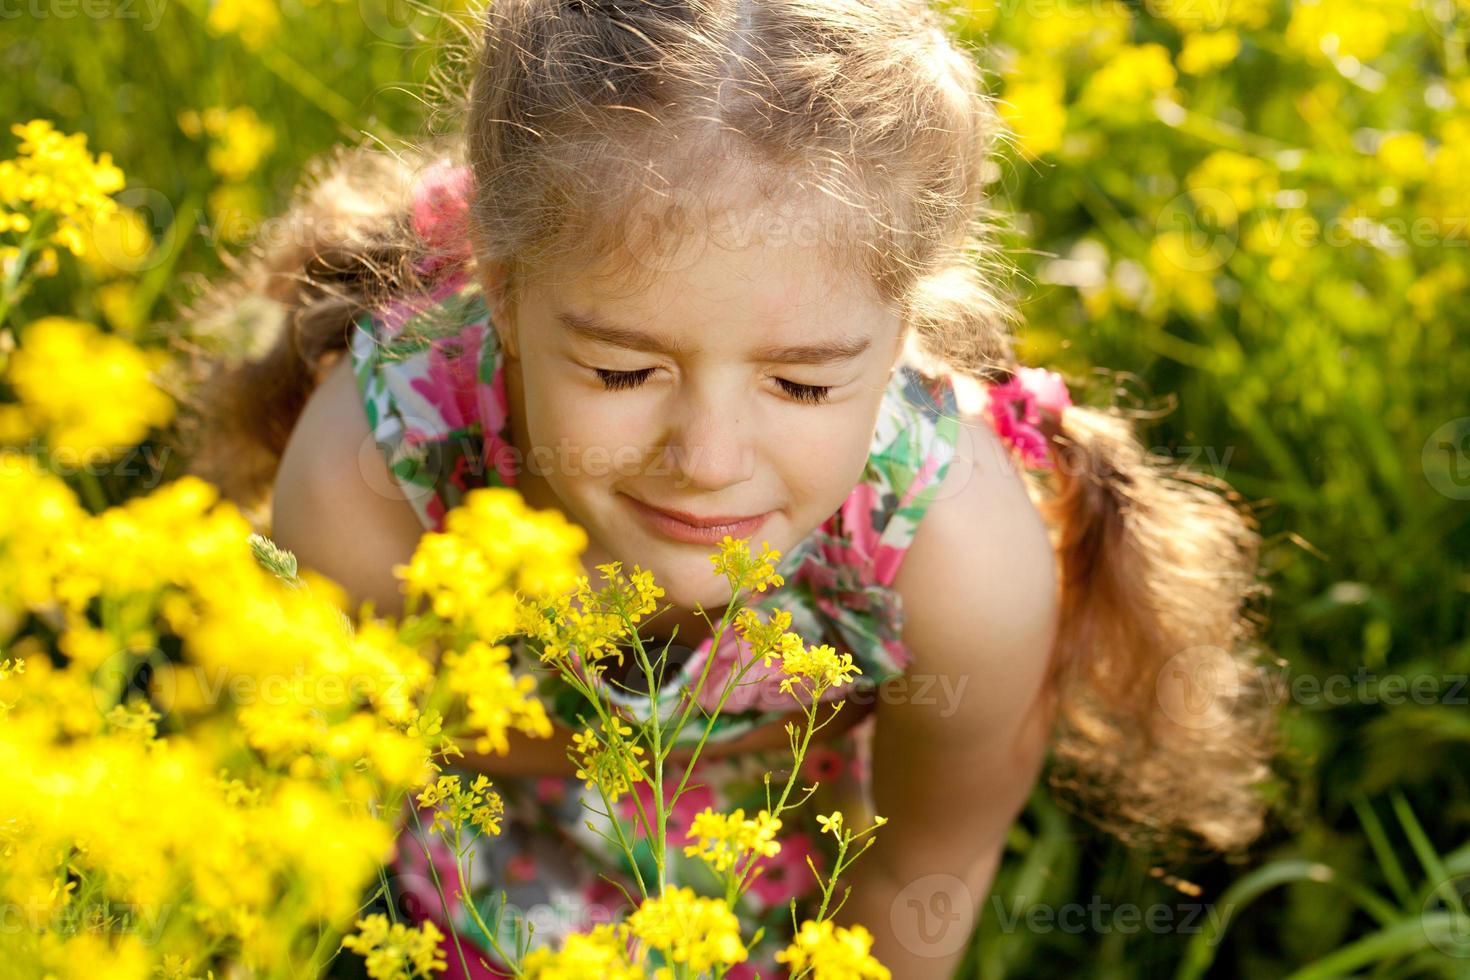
point(432, 384)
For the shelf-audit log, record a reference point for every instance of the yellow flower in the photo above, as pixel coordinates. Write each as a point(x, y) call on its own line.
point(724, 840)
point(1229, 183)
point(1182, 267)
point(832, 951)
point(118, 302)
point(1404, 156)
point(831, 824)
point(495, 698)
point(55, 174)
point(1036, 114)
point(1071, 29)
point(764, 638)
point(1202, 53)
point(121, 242)
point(397, 952)
point(610, 762)
point(241, 142)
point(136, 717)
point(1203, 15)
point(494, 556)
point(691, 929)
point(92, 392)
point(1127, 85)
point(1358, 29)
point(478, 806)
point(742, 570)
point(253, 20)
point(601, 953)
point(820, 666)
point(634, 596)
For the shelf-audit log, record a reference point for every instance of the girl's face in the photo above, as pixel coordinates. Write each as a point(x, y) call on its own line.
point(744, 383)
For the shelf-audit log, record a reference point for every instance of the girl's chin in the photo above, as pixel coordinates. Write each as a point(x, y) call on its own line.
point(680, 588)
point(686, 575)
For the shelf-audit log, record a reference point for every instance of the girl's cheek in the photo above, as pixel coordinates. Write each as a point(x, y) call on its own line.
point(589, 444)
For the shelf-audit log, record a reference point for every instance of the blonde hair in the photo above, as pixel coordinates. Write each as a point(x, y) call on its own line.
point(583, 118)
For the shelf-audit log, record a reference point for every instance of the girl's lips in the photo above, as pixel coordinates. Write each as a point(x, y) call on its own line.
point(710, 530)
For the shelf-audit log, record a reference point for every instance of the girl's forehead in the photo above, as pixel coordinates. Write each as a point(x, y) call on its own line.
point(776, 287)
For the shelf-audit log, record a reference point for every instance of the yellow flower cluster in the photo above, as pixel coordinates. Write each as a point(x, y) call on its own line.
point(121, 244)
point(91, 394)
point(813, 669)
point(238, 774)
point(1229, 184)
point(479, 806)
point(1073, 36)
point(690, 929)
point(832, 952)
point(253, 21)
point(603, 952)
point(492, 547)
point(55, 178)
point(635, 595)
point(724, 840)
point(1358, 29)
point(1205, 51)
point(146, 824)
point(1127, 84)
point(241, 140)
point(701, 934)
point(397, 952)
point(496, 699)
point(1203, 15)
point(590, 624)
point(1036, 114)
point(820, 667)
point(744, 571)
point(611, 762)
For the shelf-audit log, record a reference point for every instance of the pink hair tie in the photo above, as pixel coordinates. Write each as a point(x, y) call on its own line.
point(441, 205)
point(1015, 412)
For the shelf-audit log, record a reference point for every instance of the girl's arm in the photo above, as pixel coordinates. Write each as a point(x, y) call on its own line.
point(335, 505)
point(956, 758)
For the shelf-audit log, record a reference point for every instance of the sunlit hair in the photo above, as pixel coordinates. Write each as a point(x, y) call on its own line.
point(601, 135)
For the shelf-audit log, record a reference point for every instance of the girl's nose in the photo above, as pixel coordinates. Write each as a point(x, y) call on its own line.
point(709, 447)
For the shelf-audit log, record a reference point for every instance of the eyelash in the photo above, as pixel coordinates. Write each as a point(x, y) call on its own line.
point(620, 380)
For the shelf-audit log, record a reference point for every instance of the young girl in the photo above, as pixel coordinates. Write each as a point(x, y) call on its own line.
point(710, 267)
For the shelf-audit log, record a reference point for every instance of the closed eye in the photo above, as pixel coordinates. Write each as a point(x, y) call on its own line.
point(617, 380)
point(621, 380)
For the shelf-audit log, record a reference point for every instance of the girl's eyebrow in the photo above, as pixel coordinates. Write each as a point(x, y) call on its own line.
point(836, 350)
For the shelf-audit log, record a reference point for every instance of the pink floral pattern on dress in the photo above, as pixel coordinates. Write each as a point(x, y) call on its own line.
point(449, 382)
point(786, 876)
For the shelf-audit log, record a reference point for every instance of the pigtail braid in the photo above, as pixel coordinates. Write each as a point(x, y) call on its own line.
point(1164, 727)
point(257, 341)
